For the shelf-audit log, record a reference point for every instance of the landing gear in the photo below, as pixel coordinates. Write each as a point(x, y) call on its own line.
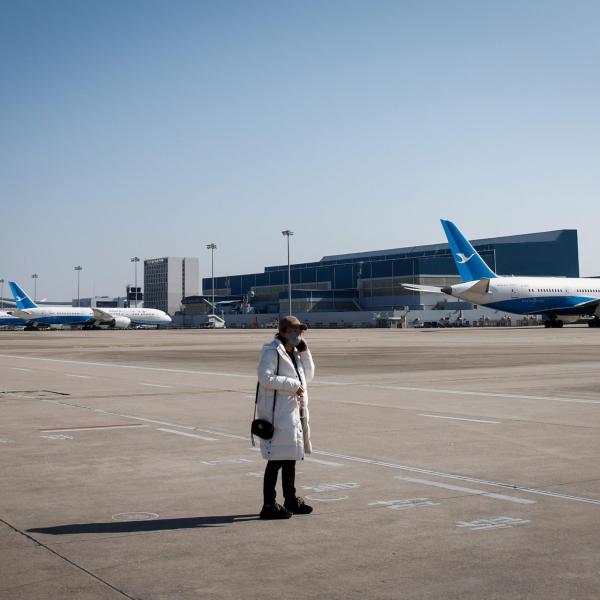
point(595, 322)
point(554, 323)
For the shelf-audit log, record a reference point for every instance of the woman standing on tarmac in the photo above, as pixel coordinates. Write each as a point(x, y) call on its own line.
point(285, 367)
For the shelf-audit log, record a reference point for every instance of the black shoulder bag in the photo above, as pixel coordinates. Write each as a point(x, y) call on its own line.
point(261, 428)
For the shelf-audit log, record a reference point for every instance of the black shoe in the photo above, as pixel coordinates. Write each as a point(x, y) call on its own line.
point(274, 511)
point(298, 507)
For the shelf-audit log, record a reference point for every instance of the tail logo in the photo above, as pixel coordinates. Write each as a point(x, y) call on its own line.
point(462, 259)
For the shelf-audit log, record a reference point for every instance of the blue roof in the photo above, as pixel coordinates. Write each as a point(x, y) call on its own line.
point(543, 236)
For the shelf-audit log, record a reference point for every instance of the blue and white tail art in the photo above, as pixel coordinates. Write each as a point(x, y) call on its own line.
point(22, 300)
point(468, 262)
point(556, 298)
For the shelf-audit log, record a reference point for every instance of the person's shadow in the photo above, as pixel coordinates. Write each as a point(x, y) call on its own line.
point(138, 526)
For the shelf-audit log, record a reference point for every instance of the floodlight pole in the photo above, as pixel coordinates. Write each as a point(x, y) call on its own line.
point(35, 278)
point(135, 260)
point(78, 268)
point(288, 233)
point(212, 247)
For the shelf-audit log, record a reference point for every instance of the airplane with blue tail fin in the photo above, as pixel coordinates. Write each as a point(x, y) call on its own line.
point(89, 317)
point(555, 298)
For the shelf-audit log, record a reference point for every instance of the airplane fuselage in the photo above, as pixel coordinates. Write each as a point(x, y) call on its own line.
point(55, 315)
point(67, 315)
point(533, 295)
point(8, 319)
point(141, 316)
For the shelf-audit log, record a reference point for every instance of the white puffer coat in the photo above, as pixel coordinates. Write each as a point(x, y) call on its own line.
point(287, 442)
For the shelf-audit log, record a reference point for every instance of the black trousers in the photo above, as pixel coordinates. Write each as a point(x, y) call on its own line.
point(288, 476)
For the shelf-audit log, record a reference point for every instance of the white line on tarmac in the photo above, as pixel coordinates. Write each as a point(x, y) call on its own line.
point(457, 418)
point(125, 416)
point(92, 428)
point(457, 488)
point(78, 376)
point(403, 388)
point(510, 486)
point(316, 381)
point(358, 459)
point(185, 433)
point(329, 463)
point(19, 369)
point(156, 385)
point(137, 367)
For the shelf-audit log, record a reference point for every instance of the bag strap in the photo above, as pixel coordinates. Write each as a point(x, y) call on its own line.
point(274, 399)
point(295, 363)
point(275, 391)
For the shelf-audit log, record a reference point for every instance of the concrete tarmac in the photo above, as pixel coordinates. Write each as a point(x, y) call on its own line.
point(448, 464)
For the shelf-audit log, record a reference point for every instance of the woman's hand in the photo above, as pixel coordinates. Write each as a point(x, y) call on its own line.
point(300, 392)
point(301, 347)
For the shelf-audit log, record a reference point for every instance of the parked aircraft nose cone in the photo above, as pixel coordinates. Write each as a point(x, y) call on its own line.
point(447, 290)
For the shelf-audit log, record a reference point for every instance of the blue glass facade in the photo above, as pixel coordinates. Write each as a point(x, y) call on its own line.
point(376, 277)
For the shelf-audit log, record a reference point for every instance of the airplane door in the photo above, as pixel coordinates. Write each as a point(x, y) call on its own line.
point(517, 291)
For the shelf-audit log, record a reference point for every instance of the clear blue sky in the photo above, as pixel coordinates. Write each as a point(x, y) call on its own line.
point(153, 128)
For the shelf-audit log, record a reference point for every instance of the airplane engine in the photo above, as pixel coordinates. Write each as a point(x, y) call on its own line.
point(114, 323)
point(120, 322)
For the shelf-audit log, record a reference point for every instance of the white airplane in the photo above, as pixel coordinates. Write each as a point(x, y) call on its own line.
point(99, 318)
point(558, 299)
point(7, 319)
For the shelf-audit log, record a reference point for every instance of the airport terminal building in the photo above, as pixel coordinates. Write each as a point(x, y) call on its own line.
point(372, 281)
point(169, 279)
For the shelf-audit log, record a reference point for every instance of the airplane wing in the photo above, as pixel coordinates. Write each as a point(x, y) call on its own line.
point(587, 303)
point(480, 287)
point(20, 313)
point(101, 315)
point(427, 289)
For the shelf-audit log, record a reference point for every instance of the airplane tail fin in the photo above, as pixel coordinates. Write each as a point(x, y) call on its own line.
point(468, 262)
point(22, 300)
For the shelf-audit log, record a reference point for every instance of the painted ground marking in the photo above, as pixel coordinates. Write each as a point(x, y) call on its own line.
point(458, 419)
point(466, 490)
point(402, 388)
point(95, 427)
point(321, 499)
point(405, 503)
point(158, 385)
point(492, 523)
point(58, 436)
point(226, 461)
point(328, 463)
point(186, 434)
point(135, 516)
point(350, 458)
point(331, 487)
point(316, 381)
point(510, 486)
